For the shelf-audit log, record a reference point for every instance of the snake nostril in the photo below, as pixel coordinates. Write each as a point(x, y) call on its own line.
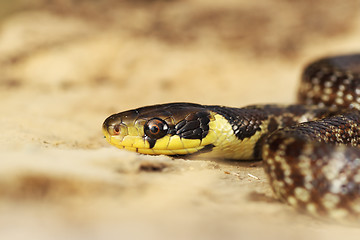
point(117, 129)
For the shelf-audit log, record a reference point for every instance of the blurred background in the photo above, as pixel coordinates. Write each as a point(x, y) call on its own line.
point(150, 51)
point(65, 65)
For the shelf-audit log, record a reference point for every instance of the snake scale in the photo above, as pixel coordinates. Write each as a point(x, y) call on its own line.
point(309, 149)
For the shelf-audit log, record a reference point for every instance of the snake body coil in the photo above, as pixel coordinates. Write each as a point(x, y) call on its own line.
point(310, 150)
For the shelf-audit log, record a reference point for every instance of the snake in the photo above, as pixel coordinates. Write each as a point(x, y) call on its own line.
point(310, 149)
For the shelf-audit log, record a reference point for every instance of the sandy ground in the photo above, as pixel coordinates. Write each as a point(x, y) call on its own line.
point(66, 65)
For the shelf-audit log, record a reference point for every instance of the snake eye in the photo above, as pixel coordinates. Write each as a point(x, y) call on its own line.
point(156, 128)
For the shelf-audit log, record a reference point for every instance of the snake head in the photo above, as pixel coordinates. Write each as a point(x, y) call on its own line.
point(169, 129)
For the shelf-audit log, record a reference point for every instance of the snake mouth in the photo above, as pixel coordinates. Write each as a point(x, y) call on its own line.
point(167, 145)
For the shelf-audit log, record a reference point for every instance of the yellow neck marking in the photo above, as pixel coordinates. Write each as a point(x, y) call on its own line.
point(227, 145)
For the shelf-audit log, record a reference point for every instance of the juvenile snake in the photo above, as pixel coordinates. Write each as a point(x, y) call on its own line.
point(310, 149)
